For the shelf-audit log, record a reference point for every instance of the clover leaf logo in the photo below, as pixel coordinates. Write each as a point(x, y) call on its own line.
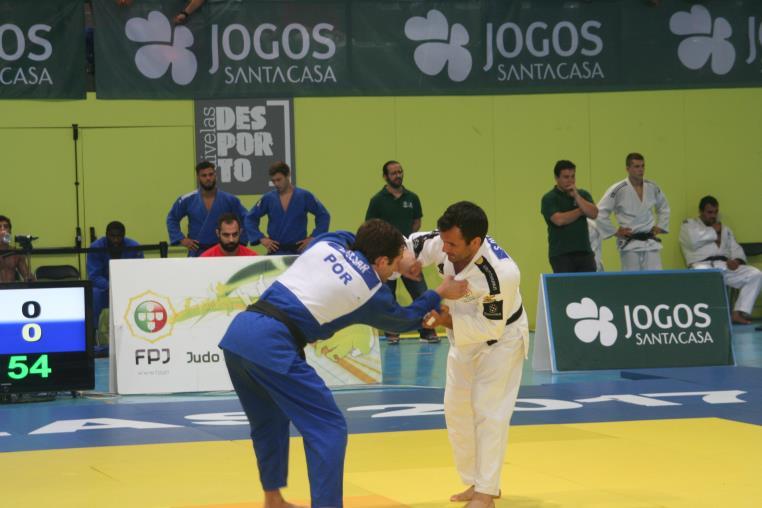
point(167, 47)
point(593, 323)
point(707, 40)
point(440, 47)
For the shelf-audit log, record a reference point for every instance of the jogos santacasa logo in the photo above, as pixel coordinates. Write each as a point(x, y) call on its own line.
point(264, 53)
point(656, 325)
point(148, 317)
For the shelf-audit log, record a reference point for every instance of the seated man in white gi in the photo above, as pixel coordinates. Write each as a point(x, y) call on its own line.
point(707, 243)
point(488, 333)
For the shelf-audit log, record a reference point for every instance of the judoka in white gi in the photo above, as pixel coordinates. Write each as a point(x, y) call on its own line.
point(633, 201)
point(202, 207)
point(488, 333)
point(707, 243)
point(596, 244)
point(336, 282)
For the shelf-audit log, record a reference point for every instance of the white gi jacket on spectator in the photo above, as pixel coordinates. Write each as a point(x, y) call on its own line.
point(622, 200)
point(485, 358)
point(700, 249)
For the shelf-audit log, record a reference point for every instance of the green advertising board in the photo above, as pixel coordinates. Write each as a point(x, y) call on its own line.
point(623, 320)
point(42, 49)
point(233, 48)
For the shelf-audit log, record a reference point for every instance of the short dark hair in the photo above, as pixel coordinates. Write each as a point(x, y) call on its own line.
point(227, 218)
point(634, 156)
point(116, 227)
point(376, 238)
point(385, 167)
point(466, 216)
point(4, 218)
point(708, 200)
point(279, 167)
point(203, 165)
point(561, 165)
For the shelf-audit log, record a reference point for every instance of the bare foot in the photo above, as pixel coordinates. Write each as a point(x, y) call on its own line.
point(468, 495)
point(480, 500)
point(740, 318)
point(274, 499)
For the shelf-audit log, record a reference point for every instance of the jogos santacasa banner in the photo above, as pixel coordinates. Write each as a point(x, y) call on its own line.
point(42, 49)
point(385, 47)
point(168, 315)
point(621, 320)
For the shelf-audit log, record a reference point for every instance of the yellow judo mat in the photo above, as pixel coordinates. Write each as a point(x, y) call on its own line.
point(706, 462)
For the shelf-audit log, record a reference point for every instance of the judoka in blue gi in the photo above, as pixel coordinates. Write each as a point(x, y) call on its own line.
point(338, 281)
point(202, 207)
point(286, 208)
point(97, 262)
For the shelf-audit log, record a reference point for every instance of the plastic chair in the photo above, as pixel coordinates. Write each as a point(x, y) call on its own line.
point(56, 272)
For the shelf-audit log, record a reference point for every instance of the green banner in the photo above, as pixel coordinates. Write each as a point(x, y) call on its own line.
point(249, 48)
point(42, 49)
point(638, 320)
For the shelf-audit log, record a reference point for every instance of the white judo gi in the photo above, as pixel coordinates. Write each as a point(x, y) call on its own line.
point(485, 358)
point(596, 244)
point(631, 212)
point(700, 250)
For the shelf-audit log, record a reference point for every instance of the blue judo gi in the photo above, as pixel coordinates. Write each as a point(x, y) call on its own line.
point(202, 223)
point(327, 288)
point(290, 226)
point(98, 271)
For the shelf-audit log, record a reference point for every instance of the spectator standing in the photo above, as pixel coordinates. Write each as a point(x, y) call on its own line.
point(642, 211)
point(286, 208)
point(566, 209)
point(202, 207)
point(401, 208)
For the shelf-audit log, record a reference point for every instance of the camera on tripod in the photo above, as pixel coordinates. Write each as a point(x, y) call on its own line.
point(25, 241)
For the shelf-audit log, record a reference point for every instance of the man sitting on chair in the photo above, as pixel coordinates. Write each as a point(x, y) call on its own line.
point(98, 262)
point(707, 243)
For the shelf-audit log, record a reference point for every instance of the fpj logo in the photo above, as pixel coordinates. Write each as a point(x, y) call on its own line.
point(658, 325)
point(149, 317)
point(165, 47)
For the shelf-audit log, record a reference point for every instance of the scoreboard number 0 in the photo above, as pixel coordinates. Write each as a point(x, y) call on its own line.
point(31, 332)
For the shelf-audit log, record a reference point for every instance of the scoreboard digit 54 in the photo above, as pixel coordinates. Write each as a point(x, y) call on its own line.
point(46, 337)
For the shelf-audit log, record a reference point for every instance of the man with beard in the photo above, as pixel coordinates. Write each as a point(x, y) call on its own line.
point(229, 233)
point(489, 339)
point(112, 247)
point(202, 207)
point(708, 243)
point(286, 208)
point(402, 209)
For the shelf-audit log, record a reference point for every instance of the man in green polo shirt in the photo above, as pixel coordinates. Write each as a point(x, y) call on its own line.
point(566, 210)
point(402, 209)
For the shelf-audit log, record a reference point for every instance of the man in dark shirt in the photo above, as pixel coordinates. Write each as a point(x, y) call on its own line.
point(402, 209)
point(565, 209)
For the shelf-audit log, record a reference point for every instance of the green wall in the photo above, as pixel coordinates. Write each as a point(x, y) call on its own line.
point(136, 157)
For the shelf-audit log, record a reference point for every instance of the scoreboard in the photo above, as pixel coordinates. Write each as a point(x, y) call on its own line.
point(46, 337)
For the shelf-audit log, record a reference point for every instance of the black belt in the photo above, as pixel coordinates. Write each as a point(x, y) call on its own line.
point(643, 237)
point(714, 258)
point(268, 309)
point(515, 317)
